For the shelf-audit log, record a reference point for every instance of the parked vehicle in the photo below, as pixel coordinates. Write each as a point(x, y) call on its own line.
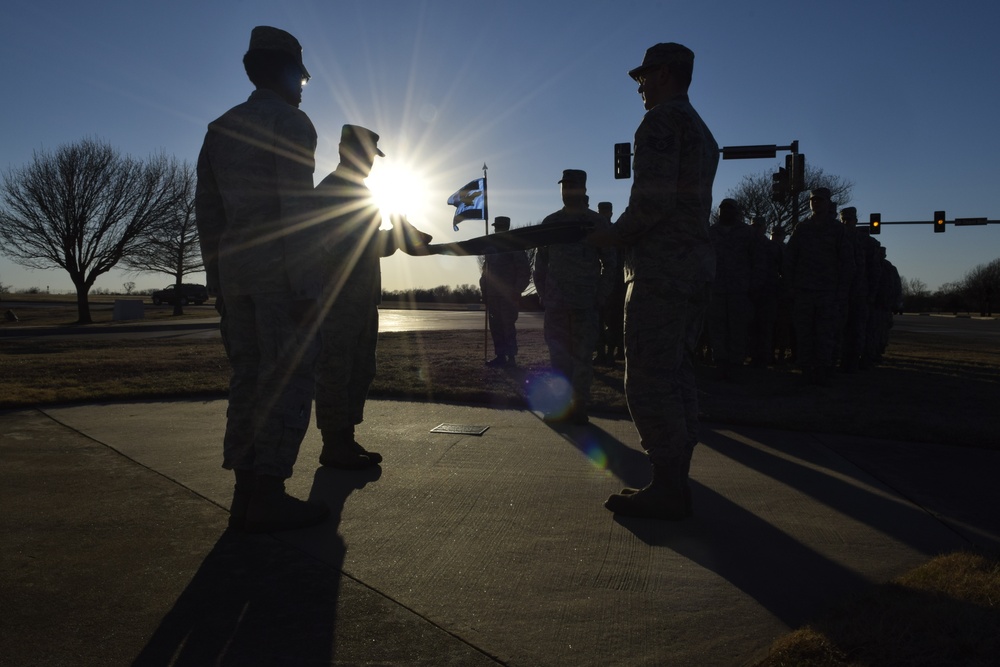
point(188, 293)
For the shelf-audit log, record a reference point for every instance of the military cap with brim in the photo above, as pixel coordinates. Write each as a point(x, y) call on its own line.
point(266, 38)
point(850, 213)
point(362, 137)
point(665, 53)
point(574, 176)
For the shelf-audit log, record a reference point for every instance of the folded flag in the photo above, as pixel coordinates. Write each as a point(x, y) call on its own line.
point(470, 202)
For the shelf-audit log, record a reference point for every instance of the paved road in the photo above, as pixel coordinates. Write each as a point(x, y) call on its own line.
point(395, 320)
point(390, 320)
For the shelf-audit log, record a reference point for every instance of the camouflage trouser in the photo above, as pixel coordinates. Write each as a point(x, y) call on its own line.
point(728, 324)
point(271, 388)
point(760, 342)
point(571, 334)
point(855, 328)
point(346, 366)
point(816, 316)
point(662, 328)
point(502, 314)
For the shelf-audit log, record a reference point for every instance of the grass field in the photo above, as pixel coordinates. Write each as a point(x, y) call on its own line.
point(931, 388)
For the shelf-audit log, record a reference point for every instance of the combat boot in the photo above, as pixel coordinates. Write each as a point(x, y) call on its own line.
point(340, 450)
point(497, 362)
point(246, 482)
point(666, 497)
point(271, 509)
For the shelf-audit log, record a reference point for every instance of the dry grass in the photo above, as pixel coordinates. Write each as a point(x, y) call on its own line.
point(945, 613)
point(928, 390)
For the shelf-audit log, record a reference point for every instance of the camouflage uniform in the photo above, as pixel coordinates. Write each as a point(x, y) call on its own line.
point(818, 265)
point(730, 310)
point(889, 293)
point(352, 245)
point(573, 280)
point(505, 277)
point(873, 278)
point(254, 180)
point(859, 296)
point(767, 269)
point(669, 267)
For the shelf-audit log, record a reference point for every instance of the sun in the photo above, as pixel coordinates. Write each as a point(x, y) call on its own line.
point(398, 189)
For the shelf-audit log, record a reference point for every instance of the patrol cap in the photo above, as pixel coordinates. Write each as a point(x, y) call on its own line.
point(665, 53)
point(821, 193)
point(266, 38)
point(849, 213)
point(574, 177)
point(501, 221)
point(729, 203)
point(604, 206)
point(360, 137)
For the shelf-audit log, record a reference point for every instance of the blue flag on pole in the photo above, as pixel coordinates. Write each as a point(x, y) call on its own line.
point(470, 202)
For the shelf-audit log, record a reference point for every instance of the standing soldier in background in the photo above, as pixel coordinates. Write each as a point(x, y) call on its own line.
point(255, 178)
point(730, 309)
point(505, 277)
point(670, 265)
point(573, 281)
point(818, 265)
point(351, 244)
point(873, 277)
point(764, 297)
point(889, 293)
point(855, 317)
point(611, 345)
point(784, 332)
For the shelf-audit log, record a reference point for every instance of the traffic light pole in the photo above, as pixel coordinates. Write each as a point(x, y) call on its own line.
point(938, 223)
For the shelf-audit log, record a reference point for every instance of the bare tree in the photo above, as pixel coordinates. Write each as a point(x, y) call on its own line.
point(754, 195)
point(981, 286)
point(82, 209)
point(171, 244)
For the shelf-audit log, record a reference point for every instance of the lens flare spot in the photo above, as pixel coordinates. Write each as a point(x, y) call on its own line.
point(596, 454)
point(549, 393)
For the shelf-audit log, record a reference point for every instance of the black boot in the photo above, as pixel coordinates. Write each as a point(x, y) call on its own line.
point(666, 497)
point(341, 451)
point(271, 509)
point(246, 482)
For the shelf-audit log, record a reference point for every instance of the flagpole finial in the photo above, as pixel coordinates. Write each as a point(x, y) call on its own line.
point(484, 166)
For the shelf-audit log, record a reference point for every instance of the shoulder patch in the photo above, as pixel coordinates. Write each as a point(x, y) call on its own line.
point(662, 144)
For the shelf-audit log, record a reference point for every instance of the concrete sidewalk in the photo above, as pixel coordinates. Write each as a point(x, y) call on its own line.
point(461, 550)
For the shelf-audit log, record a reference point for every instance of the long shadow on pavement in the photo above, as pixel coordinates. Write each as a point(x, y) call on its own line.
point(607, 452)
point(256, 600)
point(786, 576)
point(806, 469)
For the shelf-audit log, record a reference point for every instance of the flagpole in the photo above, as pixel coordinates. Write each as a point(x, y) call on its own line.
point(486, 303)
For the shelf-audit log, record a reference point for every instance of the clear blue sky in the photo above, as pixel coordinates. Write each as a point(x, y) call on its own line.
point(899, 98)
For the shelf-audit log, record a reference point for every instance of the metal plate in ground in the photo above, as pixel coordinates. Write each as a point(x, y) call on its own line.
point(460, 429)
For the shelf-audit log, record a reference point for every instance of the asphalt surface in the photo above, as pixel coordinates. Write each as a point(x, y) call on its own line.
point(461, 549)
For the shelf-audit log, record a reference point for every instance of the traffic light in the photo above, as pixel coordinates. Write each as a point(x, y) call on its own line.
point(875, 223)
point(779, 185)
point(938, 222)
point(623, 160)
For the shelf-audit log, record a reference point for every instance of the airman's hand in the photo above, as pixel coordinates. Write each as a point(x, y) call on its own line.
point(411, 240)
